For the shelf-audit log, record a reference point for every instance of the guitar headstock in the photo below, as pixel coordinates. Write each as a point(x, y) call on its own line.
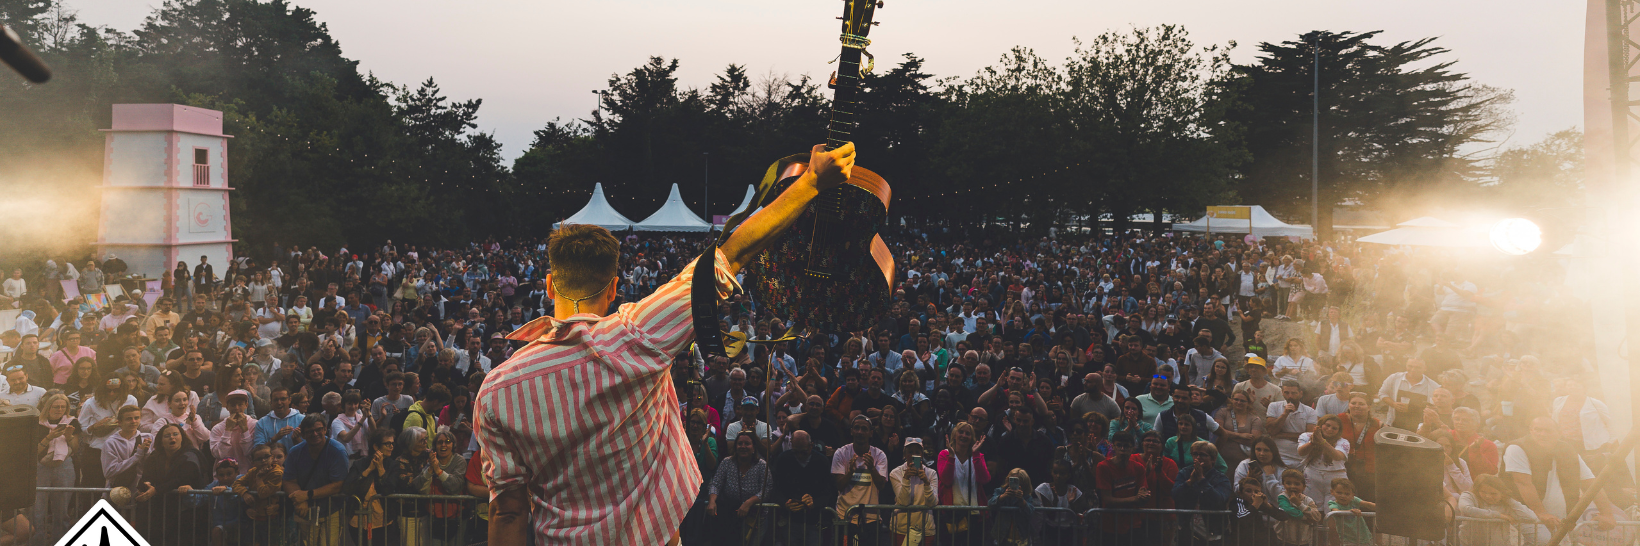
point(857, 16)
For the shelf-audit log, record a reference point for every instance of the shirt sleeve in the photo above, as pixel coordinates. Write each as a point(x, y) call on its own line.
point(502, 469)
point(336, 466)
point(837, 462)
point(1514, 460)
point(663, 320)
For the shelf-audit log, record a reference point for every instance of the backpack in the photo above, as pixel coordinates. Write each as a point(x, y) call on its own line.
point(397, 421)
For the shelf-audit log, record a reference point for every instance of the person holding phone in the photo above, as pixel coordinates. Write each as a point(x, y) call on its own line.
point(914, 485)
point(1013, 527)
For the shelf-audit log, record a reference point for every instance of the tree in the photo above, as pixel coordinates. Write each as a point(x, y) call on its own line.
point(1140, 103)
point(1388, 129)
point(1546, 174)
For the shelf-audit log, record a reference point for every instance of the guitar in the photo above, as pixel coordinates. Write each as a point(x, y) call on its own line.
point(831, 270)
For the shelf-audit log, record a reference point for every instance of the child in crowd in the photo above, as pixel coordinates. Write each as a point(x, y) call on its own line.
point(1349, 530)
point(259, 490)
point(225, 509)
point(1301, 511)
point(1058, 528)
point(1254, 513)
point(1490, 500)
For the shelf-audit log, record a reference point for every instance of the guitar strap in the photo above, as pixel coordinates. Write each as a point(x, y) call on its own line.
point(703, 288)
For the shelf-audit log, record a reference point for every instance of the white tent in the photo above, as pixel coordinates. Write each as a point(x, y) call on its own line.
point(1430, 231)
point(751, 193)
point(599, 213)
point(1427, 222)
point(673, 216)
point(1262, 224)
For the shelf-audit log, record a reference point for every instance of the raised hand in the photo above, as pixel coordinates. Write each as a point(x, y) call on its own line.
point(831, 168)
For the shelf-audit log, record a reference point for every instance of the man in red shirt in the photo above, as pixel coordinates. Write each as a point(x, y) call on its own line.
point(1479, 452)
point(1121, 479)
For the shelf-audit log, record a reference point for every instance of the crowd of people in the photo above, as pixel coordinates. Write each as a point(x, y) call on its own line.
point(1121, 372)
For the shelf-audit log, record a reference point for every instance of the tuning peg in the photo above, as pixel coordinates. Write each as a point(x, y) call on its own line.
point(874, 23)
point(879, 4)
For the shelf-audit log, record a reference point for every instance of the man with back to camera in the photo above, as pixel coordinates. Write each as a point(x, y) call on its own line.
point(630, 477)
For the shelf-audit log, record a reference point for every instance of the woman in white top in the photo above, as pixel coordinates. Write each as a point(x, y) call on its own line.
point(98, 421)
point(1294, 364)
point(170, 382)
point(1265, 466)
point(182, 414)
point(1351, 361)
point(1456, 479)
point(1324, 452)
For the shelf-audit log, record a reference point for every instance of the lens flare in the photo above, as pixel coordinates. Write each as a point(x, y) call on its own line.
point(1516, 236)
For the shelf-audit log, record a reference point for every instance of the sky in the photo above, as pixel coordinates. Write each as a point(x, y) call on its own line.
point(534, 61)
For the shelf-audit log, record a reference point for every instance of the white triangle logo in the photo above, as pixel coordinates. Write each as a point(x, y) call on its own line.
point(102, 526)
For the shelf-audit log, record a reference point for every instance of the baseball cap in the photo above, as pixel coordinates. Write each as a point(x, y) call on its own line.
point(913, 440)
point(749, 401)
point(238, 392)
point(1255, 360)
point(264, 342)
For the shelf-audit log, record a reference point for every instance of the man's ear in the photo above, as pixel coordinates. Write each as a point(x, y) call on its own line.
point(552, 291)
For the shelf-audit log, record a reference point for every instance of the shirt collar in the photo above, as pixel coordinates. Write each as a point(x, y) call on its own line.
point(548, 329)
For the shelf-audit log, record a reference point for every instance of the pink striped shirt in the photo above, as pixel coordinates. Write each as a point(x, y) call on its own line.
point(585, 418)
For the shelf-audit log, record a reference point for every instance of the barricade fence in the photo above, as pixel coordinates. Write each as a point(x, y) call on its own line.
point(212, 518)
point(225, 518)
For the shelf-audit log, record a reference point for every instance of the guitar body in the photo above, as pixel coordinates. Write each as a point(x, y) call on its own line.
point(830, 271)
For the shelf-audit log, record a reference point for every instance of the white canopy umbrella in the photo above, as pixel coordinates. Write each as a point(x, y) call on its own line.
point(599, 213)
point(1428, 222)
point(673, 216)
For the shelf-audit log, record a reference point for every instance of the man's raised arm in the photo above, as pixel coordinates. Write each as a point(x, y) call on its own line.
point(826, 170)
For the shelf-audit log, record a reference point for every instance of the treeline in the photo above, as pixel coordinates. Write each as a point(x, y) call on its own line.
point(1136, 121)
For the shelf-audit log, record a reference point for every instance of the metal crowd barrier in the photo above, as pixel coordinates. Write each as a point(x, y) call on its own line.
point(206, 518)
point(1146, 526)
point(1587, 533)
point(1461, 531)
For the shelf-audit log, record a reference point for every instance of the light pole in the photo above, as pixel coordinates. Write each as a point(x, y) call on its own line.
point(706, 185)
point(1315, 141)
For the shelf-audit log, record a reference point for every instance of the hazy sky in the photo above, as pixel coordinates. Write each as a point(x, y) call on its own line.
point(534, 61)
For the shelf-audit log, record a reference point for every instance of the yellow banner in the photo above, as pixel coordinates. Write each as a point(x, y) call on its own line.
point(1230, 213)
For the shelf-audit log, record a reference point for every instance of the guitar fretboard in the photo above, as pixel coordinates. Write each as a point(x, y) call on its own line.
point(843, 104)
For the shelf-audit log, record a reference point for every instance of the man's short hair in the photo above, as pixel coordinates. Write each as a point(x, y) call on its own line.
point(583, 258)
point(438, 393)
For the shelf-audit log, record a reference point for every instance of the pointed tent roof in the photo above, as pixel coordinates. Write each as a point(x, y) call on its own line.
point(751, 193)
point(598, 213)
point(673, 216)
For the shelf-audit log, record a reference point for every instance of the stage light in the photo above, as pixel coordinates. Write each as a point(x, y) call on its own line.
point(1516, 236)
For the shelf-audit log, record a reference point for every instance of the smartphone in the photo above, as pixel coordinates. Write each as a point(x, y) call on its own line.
point(917, 461)
point(1013, 482)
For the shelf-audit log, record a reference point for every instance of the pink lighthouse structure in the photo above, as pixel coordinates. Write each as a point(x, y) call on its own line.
point(165, 189)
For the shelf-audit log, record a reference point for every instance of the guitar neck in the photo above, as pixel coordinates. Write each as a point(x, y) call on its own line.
point(844, 102)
